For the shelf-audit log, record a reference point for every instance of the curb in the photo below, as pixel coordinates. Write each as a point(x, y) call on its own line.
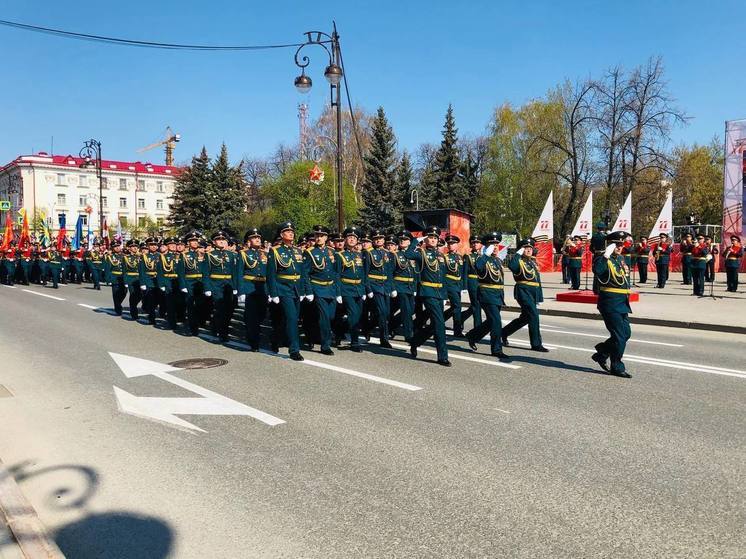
point(21, 518)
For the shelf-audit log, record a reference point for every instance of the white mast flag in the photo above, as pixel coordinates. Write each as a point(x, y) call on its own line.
point(583, 225)
point(624, 221)
point(544, 230)
point(664, 224)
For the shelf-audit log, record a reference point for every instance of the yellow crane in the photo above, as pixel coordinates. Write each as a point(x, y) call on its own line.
point(169, 141)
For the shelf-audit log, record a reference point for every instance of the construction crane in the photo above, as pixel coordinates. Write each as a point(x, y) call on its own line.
point(169, 141)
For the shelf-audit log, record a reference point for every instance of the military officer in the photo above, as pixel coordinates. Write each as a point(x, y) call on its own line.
point(431, 268)
point(252, 279)
point(322, 284)
point(598, 245)
point(131, 264)
point(710, 264)
point(489, 269)
point(662, 256)
point(191, 270)
point(527, 293)
point(53, 265)
point(221, 283)
point(405, 285)
point(575, 261)
point(733, 255)
point(699, 254)
point(454, 282)
point(95, 261)
point(24, 259)
point(472, 282)
point(287, 287)
point(642, 251)
point(353, 286)
point(167, 270)
point(9, 265)
point(379, 272)
point(149, 278)
point(77, 261)
point(613, 304)
point(114, 275)
point(685, 248)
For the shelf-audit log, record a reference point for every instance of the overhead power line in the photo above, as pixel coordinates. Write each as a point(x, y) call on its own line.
point(141, 44)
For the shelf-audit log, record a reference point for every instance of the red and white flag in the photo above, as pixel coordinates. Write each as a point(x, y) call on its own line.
point(664, 223)
point(544, 230)
point(583, 225)
point(624, 221)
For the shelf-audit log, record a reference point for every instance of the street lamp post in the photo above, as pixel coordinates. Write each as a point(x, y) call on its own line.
point(334, 75)
point(91, 155)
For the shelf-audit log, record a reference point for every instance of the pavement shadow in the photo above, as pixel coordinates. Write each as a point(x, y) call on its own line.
point(553, 364)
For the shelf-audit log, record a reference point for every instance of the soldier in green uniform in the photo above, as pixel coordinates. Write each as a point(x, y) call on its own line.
point(454, 281)
point(379, 271)
point(431, 267)
point(252, 279)
point(613, 304)
point(287, 285)
point(642, 251)
point(9, 265)
point(95, 261)
point(527, 293)
point(472, 281)
point(114, 275)
point(574, 254)
point(662, 255)
point(733, 255)
point(685, 248)
point(598, 245)
point(352, 283)
point(699, 254)
point(167, 270)
point(191, 271)
point(489, 270)
point(149, 278)
point(131, 264)
point(322, 284)
point(405, 285)
point(221, 283)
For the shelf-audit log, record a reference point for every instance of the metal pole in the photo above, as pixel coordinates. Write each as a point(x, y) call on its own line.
point(99, 170)
point(340, 193)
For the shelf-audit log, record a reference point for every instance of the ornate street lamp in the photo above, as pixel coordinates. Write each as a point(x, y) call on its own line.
point(90, 153)
point(333, 74)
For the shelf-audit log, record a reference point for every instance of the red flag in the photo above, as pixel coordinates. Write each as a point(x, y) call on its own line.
point(8, 235)
point(25, 239)
point(105, 235)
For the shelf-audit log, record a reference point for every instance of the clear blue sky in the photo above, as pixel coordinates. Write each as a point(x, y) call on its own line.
point(412, 57)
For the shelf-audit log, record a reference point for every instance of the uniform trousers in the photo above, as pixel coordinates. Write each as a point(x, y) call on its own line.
point(731, 277)
point(493, 325)
point(618, 326)
point(642, 270)
point(118, 293)
point(325, 307)
point(404, 303)
point(287, 323)
point(454, 301)
point(255, 309)
point(698, 281)
point(529, 315)
point(662, 271)
point(436, 328)
point(574, 273)
point(222, 300)
point(135, 297)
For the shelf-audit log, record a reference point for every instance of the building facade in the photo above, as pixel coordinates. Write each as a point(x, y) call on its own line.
point(52, 185)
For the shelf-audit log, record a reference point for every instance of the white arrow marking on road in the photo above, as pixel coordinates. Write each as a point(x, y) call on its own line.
point(166, 409)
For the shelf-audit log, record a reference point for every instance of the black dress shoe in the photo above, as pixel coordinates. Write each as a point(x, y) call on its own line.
point(296, 356)
point(501, 356)
point(458, 334)
point(601, 360)
point(413, 351)
point(254, 348)
point(472, 345)
point(327, 351)
point(540, 349)
point(386, 344)
point(275, 348)
point(504, 340)
point(445, 363)
point(618, 373)
point(356, 349)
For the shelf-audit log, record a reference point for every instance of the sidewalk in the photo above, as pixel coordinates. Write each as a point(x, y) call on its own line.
point(673, 306)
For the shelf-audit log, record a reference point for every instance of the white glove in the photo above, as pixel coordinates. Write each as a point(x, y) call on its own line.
point(208, 293)
point(394, 294)
point(143, 287)
point(241, 298)
point(302, 298)
point(184, 290)
point(420, 239)
point(339, 299)
point(309, 298)
point(708, 257)
point(126, 285)
point(414, 294)
point(490, 249)
point(276, 300)
point(163, 288)
point(235, 292)
point(269, 298)
point(463, 291)
point(519, 252)
point(609, 250)
point(370, 295)
point(363, 298)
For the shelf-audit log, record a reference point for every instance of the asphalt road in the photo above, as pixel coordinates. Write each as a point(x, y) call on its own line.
point(546, 459)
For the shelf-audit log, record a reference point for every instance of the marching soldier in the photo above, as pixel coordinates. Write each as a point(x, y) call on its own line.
point(221, 283)
point(95, 260)
point(286, 284)
point(353, 287)
point(9, 265)
point(527, 293)
point(149, 278)
point(662, 256)
point(252, 278)
point(25, 263)
point(598, 245)
point(472, 281)
point(378, 269)
point(733, 255)
point(642, 251)
point(131, 264)
point(699, 254)
point(685, 248)
point(53, 266)
point(431, 267)
point(405, 285)
point(710, 264)
point(574, 253)
point(455, 282)
point(489, 269)
point(322, 284)
point(77, 261)
point(114, 275)
point(613, 304)
point(167, 269)
point(191, 272)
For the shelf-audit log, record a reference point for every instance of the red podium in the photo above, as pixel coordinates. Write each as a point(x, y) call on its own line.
point(587, 296)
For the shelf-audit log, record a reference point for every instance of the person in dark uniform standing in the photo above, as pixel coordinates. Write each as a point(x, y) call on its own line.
point(613, 304)
point(642, 251)
point(710, 265)
point(662, 256)
point(455, 282)
point(221, 283)
point(574, 253)
point(114, 275)
point(472, 281)
point(698, 256)
point(598, 245)
point(286, 283)
point(95, 261)
point(353, 288)
point(733, 255)
point(167, 269)
point(191, 272)
point(379, 269)
point(431, 267)
point(489, 269)
point(405, 285)
point(322, 284)
point(527, 293)
point(149, 278)
point(685, 248)
point(131, 274)
point(252, 279)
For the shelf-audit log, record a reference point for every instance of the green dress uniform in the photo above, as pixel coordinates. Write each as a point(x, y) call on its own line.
point(167, 269)
point(733, 255)
point(252, 280)
point(642, 251)
point(286, 285)
point(685, 248)
point(353, 288)
point(9, 266)
point(472, 286)
point(221, 280)
point(454, 281)
point(662, 255)
point(149, 281)
point(613, 304)
point(379, 274)
point(192, 269)
point(77, 261)
point(131, 264)
point(114, 276)
point(598, 244)
point(431, 267)
point(528, 294)
point(322, 281)
point(697, 264)
point(574, 264)
point(95, 260)
point(491, 294)
point(405, 284)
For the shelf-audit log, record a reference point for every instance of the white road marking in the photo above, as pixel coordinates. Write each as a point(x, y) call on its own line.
point(166, 409)
point(328, 366)
point(44, 295)
point(546, 328)
point(501, 411)
point(452, 354)
point(88, 306)
point(9, 286)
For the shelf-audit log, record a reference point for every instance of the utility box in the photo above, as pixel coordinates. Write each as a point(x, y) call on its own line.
point(450, 220)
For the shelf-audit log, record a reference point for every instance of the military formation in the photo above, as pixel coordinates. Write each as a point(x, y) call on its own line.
point(330, 287)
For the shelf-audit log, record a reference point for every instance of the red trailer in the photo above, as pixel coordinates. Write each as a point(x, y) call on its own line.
point(450, 220)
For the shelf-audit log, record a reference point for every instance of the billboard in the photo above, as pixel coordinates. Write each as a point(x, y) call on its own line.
point(733, 195)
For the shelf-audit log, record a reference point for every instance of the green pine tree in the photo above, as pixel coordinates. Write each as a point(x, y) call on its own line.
point(228, 195)
point(379, 207)
point(469, 176)
point(190, 201)
point(403, 186)
point(447, 189)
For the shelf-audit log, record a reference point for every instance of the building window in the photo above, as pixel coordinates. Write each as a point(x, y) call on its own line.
point(104, 182)
point(122, 184)
point(141, 203)
point(59, 217)
point(61, 179)
point(159, 204)
point(140, 184)
point(141, 221)
point(159, 186)
point(123, 202)
point(81, 200)
point(159, 222)
point(85, 219)
point(83, 181)
point(104, 202)
point(123, 220)
point(61, 199)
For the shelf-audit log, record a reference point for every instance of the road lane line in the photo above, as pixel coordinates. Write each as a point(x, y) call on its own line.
point(9, 286)
point(604, 337)
point(501, 411)
point(89, 306)
point(43, 295)
point(319, 364)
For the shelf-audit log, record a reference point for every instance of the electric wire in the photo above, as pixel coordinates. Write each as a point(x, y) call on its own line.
point(349, 105)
